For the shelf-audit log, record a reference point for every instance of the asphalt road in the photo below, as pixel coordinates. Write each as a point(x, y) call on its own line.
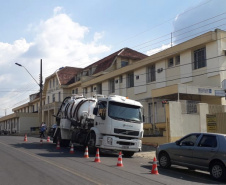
point(32, 163)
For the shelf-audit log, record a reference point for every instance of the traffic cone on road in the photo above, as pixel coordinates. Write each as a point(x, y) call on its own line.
point(58, 145)
point(48, 139)
point(97, 157)
point(154, 167)
point(25, 137)
point(86, 154)
point(119, 163)
point(72, 149)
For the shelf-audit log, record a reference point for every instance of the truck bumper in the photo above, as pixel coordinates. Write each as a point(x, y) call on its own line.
point(115, 143)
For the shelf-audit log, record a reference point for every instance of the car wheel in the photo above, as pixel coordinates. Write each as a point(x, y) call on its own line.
point(217, 171)
point(164, 160)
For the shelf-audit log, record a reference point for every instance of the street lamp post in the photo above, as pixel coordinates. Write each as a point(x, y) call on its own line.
point(39, 84)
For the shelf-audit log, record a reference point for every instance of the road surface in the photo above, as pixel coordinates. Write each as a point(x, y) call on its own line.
point(32, 163)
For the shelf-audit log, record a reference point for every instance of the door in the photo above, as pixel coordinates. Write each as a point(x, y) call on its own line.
point(205, 150)
point(183, 150)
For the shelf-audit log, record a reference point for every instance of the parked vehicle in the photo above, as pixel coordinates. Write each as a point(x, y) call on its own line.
point(205, 151)
point(113, 122)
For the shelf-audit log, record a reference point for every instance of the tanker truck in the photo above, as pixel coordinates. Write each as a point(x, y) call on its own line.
point(112, 123)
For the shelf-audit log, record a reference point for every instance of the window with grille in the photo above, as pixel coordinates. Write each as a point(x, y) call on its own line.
point(200, 58)
point(151, 73)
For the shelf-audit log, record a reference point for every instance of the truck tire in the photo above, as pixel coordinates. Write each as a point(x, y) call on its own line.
point(64, 142)
point(128, 153)
point(91, 142)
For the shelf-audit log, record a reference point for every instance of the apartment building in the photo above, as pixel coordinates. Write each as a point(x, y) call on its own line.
point(24, 119)
point(188, 76)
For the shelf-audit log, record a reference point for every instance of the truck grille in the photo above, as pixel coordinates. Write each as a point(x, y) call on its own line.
point(125, 143)
point(126, 132)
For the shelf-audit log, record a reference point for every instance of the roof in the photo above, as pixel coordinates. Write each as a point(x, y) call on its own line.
point(67, 74)
point(106, 62)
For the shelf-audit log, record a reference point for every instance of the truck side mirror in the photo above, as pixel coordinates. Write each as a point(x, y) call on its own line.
point(95, 110)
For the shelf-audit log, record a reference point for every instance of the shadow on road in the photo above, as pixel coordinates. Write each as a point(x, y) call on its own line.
point(183, 173)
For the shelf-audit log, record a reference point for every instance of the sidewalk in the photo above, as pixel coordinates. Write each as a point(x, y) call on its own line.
point(147, 152)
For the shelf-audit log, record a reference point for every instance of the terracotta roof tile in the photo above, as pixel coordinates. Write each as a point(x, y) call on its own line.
point(106, 62)
point(67, 74)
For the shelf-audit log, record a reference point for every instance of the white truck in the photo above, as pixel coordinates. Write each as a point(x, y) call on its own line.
point(113, 122)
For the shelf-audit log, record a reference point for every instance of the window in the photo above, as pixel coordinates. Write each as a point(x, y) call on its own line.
point(170, 62)
point(208, 141)
point(53, 82)
point(48, 99)
point(121, 111)
point(50, 84)
point(120, 79)
point(177, 60)
point(90, 72)
point(130, 80)
point(53, 97)
point(102, 109)
point(73, 91)
point(85, 90)
point(77, 78)
point(59, 97)
point(200, 58)
point(124, 63)
point(151, 73)
point(99, 88)
point(111, 86)
point(189, 140)
point(76, 91)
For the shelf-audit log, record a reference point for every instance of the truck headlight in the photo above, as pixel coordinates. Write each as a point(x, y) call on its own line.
point(109, 140)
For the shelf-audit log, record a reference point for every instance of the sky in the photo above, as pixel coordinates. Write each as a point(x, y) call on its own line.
point(77, 33)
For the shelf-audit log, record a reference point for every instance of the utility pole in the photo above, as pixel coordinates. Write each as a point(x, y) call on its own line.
point(40, 109)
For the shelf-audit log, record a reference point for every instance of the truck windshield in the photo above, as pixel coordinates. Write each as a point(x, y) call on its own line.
point(125, 112)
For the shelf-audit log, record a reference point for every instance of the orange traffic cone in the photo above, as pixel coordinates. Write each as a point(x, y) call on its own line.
point(119, 163)
point(86, 154)
point(154, 167)
point(41, 141)
point(97, 157)
point(48, 139)
point(25, 137)
point(72, 149)
point(58, 145)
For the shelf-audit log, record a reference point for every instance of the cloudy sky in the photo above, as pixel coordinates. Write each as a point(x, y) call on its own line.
point(78, 33)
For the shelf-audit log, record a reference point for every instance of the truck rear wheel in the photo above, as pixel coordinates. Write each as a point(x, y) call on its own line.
point(128, 153)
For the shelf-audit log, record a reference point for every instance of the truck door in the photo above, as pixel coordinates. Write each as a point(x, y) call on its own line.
point(101, 115)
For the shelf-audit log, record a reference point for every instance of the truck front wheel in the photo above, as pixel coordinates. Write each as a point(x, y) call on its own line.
point(128, 153)
point(91, 142)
